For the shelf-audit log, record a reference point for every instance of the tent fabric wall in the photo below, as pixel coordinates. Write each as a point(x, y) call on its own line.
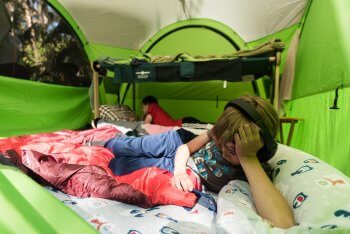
point(218, 31)
point(27, 208)
point(273, 16)
point(322, 65)
point(324, 132)
point(129, 24)
point(41, 107)
point(324, 50)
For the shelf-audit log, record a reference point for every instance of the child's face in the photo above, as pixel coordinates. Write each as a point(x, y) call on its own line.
point(228, 151)
point(145, 108)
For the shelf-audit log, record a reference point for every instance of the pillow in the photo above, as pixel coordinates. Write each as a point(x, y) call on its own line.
point(117, 112)
point(318, 193)
point(236, 210)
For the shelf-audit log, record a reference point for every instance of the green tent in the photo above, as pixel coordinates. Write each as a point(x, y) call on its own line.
point(46, 48)
point(28, 208)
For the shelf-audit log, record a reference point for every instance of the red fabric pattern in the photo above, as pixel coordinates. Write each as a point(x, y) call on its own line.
point(62, 160)
point(82, 181)
point(160, 117)
point(157, 185)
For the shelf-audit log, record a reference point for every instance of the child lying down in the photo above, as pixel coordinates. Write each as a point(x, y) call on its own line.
point(241, 139)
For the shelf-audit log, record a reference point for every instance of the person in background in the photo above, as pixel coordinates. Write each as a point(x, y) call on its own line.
point(153, 113)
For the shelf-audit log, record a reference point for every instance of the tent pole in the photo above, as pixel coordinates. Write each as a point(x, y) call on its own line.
point(277, 80)
point(96, 92)
point(134, 96)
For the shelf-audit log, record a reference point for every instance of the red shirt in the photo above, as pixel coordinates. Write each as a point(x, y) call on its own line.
point(160, 117)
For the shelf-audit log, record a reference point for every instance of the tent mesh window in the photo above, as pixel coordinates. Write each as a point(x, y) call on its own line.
point(37, 44)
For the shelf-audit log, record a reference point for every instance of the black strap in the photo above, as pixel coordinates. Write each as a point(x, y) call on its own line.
point(254, 115)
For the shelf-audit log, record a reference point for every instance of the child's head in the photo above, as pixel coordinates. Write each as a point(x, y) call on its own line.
point(146, 101)
point(233, 118)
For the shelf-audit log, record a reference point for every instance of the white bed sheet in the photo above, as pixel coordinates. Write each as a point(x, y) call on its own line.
point(109, 216)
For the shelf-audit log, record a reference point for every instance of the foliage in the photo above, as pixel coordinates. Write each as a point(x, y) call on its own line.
point(46, 45)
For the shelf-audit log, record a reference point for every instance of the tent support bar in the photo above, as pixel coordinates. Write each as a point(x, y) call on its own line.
point(96, 92)
point(274, 99)
point(255, 88)
point(125, 92)
point(277, 80)
point(133, 96)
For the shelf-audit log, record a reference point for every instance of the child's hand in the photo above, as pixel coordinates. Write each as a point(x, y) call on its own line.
point(183, 182)
point(247, 141)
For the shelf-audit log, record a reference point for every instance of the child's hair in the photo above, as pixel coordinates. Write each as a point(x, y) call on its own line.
point(149, 100)
point(232, 119)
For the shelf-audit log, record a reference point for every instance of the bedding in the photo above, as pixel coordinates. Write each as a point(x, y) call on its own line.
point(140, 127)
point(123, 126)
point(314, 213)
point(108, 216)
point(317, 192)
point(81, 167)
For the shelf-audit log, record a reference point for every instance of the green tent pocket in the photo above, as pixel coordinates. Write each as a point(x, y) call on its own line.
point(186, 70)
